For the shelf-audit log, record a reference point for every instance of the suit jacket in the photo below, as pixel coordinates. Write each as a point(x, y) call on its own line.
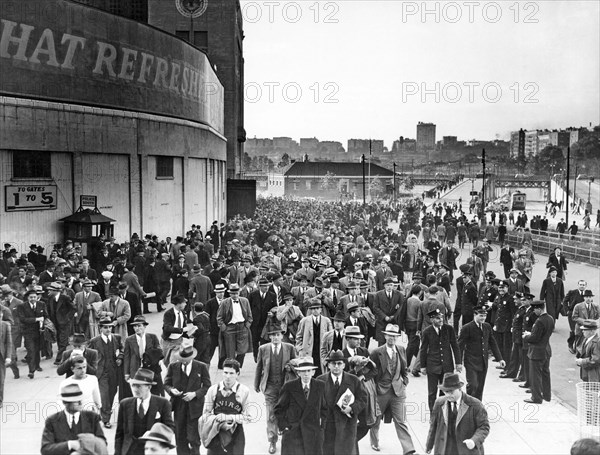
point(27, 316)
point(169, 321)
point(57, 432)
point(90, 355)
point(106, 364)
point(263, 363)
point(6, 344)
point(516, 286)
point(581, 313)
point(448, 257)
point(589, 353)
point(553, 294)
point(260, 307)
point(439, 353)
point(361, 323)
point(121, 314)
point(475, 343)
point(201, 289)
point(400, 379)
point(300, 418)
point(12, 306)
point(81, 303)
point(132, 361)
point(225, 312)
point(242, 273)
point(572, 298)
point(539, 339)
point(395, 308)
point(133, 284)
point(327, 344)
point(305, 336)
point(471, 423)
point(345, 435)
point(197, 382)
point(159, 410)
point(61, 311)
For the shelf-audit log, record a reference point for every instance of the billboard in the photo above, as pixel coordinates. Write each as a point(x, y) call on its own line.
point(67, 52)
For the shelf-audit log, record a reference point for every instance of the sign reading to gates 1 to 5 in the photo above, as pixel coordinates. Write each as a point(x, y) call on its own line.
point(34, 197)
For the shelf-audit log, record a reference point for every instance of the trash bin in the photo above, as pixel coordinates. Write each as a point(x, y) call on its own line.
point(588, 409)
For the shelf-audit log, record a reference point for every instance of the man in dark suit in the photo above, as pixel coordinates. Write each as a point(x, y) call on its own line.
point(32, 314)
point(212, 307)
point(439, 352)
point(539, 354)
point(341, 421)
point(187, 382)
point(448, 256)
point(271, 367)
point(474, 341)
point(134, 304)
point(174, 327)
point(61, 430)
point(459, 423)
point(200, 286)
point(300, 411)
point(138, 413)
point(572, 298)
point(460, 285)
point(355, 319)
point(234, 318)
point(507, 257)
point(61, 311)
point(110, 358)
point(553, 292)
point(389, 307)
point(78, 343)
point(261, 301)
point(350, 258)
point(391, 380)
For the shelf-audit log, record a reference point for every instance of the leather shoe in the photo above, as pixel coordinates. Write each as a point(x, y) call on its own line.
point(528, 391)
point(107, 425)
point(17, 375)
point(272, 447)
point(416, 373)
point(30, 375)
point(524, 386)
point(518, 380)
point(39, 369)
point(375, 448)
point(498, 367)
point(529, 400)
point(505, 376)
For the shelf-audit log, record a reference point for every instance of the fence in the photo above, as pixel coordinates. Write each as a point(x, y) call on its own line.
point(588, 409)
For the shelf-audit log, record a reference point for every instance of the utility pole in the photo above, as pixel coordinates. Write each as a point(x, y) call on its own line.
point(363, 172)
point(568, 178)
point(394, 164)
point(482, 216)
point(370, 153)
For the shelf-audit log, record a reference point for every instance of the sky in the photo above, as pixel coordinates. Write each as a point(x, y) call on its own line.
point(337, 70)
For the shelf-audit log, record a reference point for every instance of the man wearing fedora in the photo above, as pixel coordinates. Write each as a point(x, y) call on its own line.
point(539, 353)
point(79, 347)
point(212, 308)
point(553, 292)
point(158, 439)
point(118, 310)
point(311, 330)
point(572, 298)
point(234, 318)
point(201, 287)
point(300, 411)
point(459, 423)
point(139, 413)
point(187, 382)
point(62, 430)
point(345, 397)
point(582, 311)
point(474, 341)
point(334, 340)
point(271, 366)
point(389, 307)
point(141, 350)
point(588, 351)
point(391, 380)
point(61, 311)
point(109, 371)
point(83, 306)
point(261, 301)
point(439, 353)
point(174, 328)
point(32, 314)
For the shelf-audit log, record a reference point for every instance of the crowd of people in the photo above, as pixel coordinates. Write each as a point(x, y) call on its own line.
point(319, 294)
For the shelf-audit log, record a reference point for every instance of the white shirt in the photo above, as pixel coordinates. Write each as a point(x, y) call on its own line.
point(72, 418)
point(351, 351)
point(145, 404)
point(390, 352)
point(236, 312)
point(179, 318)
point(336, 378)
point(186, 368)
point(276, 349)
point(141, 341)
point(316, 320)
point(106, 339)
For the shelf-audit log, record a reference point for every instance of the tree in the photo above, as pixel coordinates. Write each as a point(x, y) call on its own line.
point(247, 161)
point(375, 186)
point(587, 148)
point(550, 157)
point(328, 181)
point(285, 160)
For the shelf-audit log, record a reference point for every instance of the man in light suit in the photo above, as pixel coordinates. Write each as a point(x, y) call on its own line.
point(234, 318)
point(307, 271)
point(138, 413)
point(459, 423)
point(351, 296)
point(187, 382)
point(588, 352)
point(391, 380)
point(141, 349)
point(201, 287)
point(245, 270)
point(311, 330)
point(334, 340)
point(389, 307)
point(582, 311)
point(117, 310)
point(61, 430)
point(341, 421)
point(271, 367)
point(83, 305)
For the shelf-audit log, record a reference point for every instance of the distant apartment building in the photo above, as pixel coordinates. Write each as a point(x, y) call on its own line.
point(449, 141)
point(425, 137)
point(531, 143)
point(517, 144)
point(576, 134)
point(358, 147)
point(309, 144)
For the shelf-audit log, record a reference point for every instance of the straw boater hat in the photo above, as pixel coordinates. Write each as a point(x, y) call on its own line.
point(71, 393)
point(353, 332)
point(143, 376)
point(451, 381)
point(160, 433)
point(186, 351)
point(305, 364)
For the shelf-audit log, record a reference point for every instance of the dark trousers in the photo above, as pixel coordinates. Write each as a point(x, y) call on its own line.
point(475, 382)
point(433, 379)
point(163, 291)
point(108, 384)
point(525, 367)
point(186, 433)
point(515, 361)
point(572, 340)
point(456, 317)
point(235, 447)
point(412, 348)
point(539, 380)
point(33, 346)
point(504, 340)
point(2, 378)
point(62, 339)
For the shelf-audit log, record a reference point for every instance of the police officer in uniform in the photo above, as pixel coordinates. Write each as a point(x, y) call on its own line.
point(528, 321)
point(504, 307)
point(516, 358)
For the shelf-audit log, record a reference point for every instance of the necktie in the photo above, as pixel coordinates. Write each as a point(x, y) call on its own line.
point(306, 392)
point(334, 299)
point(178, 320)
point(454, 408)
point(184, 369)
point(336, 384)
point(141, 413)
